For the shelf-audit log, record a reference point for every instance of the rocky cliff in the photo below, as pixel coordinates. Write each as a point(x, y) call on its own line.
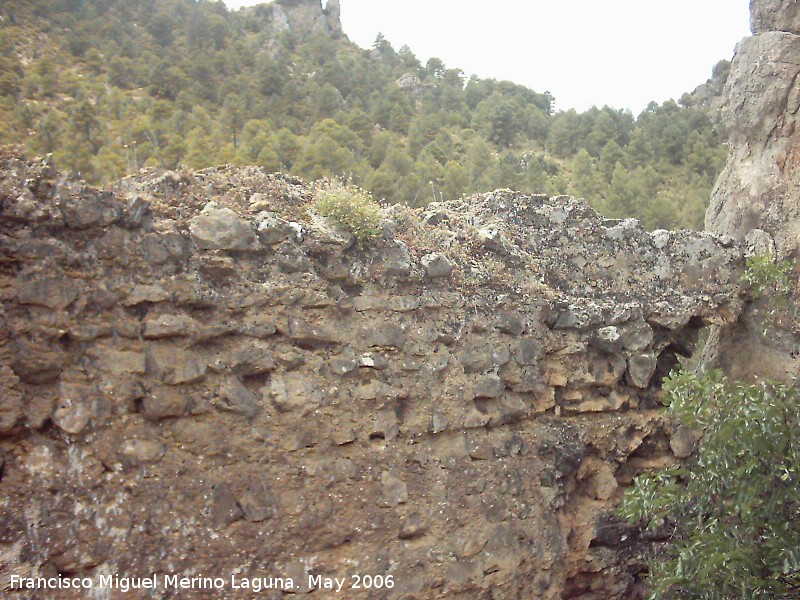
point(202, 376)
point(757, 198)
point(302, 17)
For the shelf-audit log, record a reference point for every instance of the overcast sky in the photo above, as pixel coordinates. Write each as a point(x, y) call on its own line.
point(623, 53)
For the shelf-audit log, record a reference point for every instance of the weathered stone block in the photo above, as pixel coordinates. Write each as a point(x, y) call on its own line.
point(218, 228)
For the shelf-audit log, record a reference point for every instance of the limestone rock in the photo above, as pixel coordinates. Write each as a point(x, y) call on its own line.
point(129, 447)
point(78, 401)
point(329, 405)
point(641, 369)
point(437, 265)
point(90, 210)
point(272, 229)
point(218, 228)
point(165, 402)
point(163, 326)
point(307, 334)
point(146, 293)
point(293, 392)
point(775, 15)
point(237, 399)
point(258, 503)
point(395, 491)
point(224, 508)
point(684, 441)
point(38, 361)
point(51, 292)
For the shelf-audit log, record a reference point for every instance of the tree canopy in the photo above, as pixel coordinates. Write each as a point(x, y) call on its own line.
point(110, 86)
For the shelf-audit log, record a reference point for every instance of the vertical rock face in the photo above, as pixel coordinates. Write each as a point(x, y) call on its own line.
point(775, 15)
point(305, 17)
point(757, 198)
point(759, 187)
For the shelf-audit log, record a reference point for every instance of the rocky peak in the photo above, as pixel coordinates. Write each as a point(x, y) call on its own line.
point(303, 17)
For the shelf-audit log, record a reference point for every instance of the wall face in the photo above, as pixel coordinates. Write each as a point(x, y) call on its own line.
point(757, 198)
point(200, 375)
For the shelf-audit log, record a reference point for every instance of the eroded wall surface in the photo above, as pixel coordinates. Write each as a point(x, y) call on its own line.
point(199, 375)
point(202, 376)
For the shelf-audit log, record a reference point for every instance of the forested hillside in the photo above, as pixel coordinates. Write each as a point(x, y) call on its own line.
point(111, 86)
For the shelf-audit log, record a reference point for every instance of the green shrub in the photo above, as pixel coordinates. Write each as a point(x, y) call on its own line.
point(351, 208)
point(734, 511)
point(766, 277)
point(772, 282)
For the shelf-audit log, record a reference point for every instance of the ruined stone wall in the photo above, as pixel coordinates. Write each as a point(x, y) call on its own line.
point(201, 375)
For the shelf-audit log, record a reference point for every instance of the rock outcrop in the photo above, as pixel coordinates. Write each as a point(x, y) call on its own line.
point(202, 376)
point(757, 198)
point(302, 17)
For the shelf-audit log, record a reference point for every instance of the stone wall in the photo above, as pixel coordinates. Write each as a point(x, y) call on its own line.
point(201, 375)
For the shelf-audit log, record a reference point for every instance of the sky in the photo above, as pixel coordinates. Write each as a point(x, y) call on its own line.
point(621, 53)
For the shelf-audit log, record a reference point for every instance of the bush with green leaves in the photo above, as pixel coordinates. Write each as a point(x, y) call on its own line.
point(734, 510)
point(352, 208)
point(772, 283)
point(765, 276)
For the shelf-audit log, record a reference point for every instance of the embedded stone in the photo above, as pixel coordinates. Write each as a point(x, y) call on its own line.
point(437, 265)
point(386, 336)
point(117, 362)
point(272, 229)
point(165, 402)
point(38, 362)
point(395, 491)
point(174, 366)
point(528, 352)
point(511, 323)
point(413, 527)
point(90, 210)
point(605, 484)
point(636, 335)
point(253, 357)
point(164, 326)
point(236, 398)
point(476, 360)
point(224, 509)
point(607, 339)
point(606, 369)
point(51, 292)
point(307, 334)
point(641, 369)
point(77, 402)
point(683, 442)
point(221, 229)
point(292, 392)
point(146, 293)
point(343, 366)
point(490, 386)
point(395, 261)
point(258, 503)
